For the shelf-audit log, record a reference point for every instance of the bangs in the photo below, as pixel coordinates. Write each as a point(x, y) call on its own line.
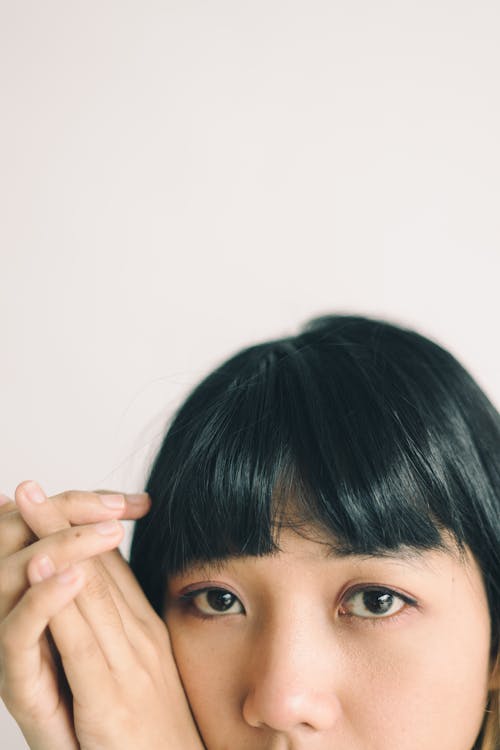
point(287, 435)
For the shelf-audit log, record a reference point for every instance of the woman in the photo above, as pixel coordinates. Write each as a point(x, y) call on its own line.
point(323, 546)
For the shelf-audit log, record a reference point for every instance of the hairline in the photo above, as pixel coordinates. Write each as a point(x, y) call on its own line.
point(405, 554)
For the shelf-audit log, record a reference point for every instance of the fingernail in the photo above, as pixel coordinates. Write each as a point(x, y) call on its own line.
point(4, 499)
point(138, 499)
point(45, 567)
point(113, 501)
point(70, 575)
point(107, 527)
point(34, 493)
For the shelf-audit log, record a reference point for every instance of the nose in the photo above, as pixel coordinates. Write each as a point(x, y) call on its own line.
point(292, 681)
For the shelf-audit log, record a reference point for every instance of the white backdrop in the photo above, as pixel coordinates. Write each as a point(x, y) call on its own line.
point(181, 179)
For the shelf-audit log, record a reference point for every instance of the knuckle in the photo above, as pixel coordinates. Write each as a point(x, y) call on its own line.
point(61, 548)
point(68, 497)
point(14, 534)
point(68, 537)
point(143, 683)
point(155, 641)
point(85, 649)
point(144, 680)
point(69, 544)
point(69, 500)
point(96, 586)
point(159, 631)
point(6, 507)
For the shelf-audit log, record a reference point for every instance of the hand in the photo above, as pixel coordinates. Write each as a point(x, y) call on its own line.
point(116, 655)
point(32, 681)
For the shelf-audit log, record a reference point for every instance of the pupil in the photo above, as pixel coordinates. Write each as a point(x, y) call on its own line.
point(376, 602)
point(220, 600)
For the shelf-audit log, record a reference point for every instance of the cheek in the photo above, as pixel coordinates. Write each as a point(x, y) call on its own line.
point(428, 687)
point(210, 666)
point(422, 686)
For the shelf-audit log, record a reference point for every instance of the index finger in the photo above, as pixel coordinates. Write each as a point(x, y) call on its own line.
point(76, 506)
point(93, 614)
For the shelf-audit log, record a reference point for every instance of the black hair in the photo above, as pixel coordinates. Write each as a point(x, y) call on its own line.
point(363, 427)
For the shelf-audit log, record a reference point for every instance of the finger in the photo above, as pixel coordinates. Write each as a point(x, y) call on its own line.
point(71, 545)
point(130, 600)
point(145, 628)
point(75, 504)
point(142, 626)
point(87, 644)
point(77, 508)
point(22, 629)
point(119, 571)
point(94, 602)
point(6, 504)
point(14, 533)
point(81, 508)
point(137, 504)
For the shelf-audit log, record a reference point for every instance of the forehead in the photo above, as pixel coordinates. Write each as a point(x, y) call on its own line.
point(315, 549)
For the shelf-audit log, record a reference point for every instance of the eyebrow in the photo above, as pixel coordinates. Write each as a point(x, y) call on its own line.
point(402, 554)
point(407, 555)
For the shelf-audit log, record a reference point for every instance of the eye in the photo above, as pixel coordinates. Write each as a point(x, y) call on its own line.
point(213, 602)
point(375, 603)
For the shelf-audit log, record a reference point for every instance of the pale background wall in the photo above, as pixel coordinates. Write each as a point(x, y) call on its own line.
point(180, 179)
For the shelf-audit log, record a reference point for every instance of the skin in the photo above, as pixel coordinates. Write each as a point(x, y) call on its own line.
point(102, 626)
point(297, 668)
point(293, 664)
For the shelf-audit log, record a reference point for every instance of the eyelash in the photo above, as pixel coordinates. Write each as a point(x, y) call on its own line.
point(408, 604)
point(188, 600)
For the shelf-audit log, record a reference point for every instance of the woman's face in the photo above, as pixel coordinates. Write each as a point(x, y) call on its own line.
point(305, 651)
